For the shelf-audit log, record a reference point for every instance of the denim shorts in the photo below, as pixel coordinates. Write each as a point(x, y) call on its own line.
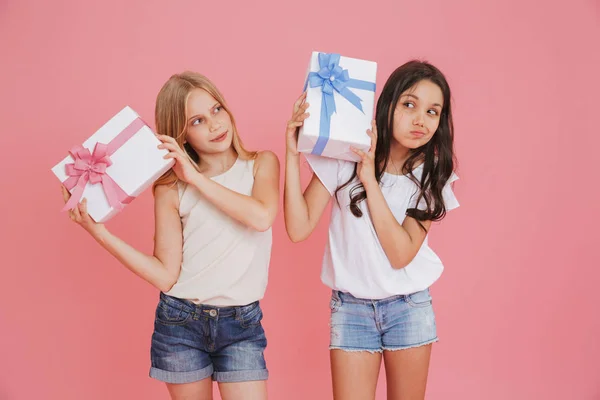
point(193, 342)
point(395, 323)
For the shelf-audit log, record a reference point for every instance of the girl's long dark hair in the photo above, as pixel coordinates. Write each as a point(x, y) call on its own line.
point(437, 154)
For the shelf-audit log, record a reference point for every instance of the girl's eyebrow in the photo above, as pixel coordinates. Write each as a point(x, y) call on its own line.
point(195, 116)
point(212, 107)
point(416, 98)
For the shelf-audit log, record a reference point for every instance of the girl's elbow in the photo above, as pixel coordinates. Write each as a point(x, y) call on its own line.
point(296, 233)
point(262, 227)
point(400, 262)
point(296, 238)
point(167, 284)
point(398, 265)
point(263, 222)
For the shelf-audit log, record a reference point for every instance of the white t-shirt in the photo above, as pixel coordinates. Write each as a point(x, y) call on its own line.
point(354, 261)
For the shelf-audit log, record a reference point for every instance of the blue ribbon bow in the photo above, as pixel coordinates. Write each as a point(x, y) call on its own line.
point(332, 78)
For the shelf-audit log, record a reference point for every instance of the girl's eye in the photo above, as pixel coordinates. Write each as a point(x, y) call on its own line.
point(408, 104)
point(217, 109)
point(433, 112)
point(197, 121)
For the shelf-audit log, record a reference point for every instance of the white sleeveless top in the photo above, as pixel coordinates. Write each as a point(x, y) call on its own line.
point(225, 263)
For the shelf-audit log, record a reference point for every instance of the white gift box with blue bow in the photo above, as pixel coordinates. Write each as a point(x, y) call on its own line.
point(341, 94)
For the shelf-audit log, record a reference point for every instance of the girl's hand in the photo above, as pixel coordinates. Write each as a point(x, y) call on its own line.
point(184, 169)
point(366, 167)
point(80, 215)
point(299, 114)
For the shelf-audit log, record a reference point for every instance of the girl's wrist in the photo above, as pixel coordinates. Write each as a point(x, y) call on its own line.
point(98, 232)
point(370, 184)
point(199, 181)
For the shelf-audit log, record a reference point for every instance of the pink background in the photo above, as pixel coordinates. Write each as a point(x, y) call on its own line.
point(516, 310)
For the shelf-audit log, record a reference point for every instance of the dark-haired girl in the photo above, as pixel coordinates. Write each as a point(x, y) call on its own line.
point(377, 260)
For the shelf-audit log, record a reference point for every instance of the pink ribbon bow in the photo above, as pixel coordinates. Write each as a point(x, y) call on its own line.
point(91, 167)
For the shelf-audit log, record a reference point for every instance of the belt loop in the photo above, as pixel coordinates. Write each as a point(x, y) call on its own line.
point(338, 297)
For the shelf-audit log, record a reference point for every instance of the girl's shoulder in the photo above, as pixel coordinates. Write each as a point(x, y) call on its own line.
point(167, 194)
point(265, 159)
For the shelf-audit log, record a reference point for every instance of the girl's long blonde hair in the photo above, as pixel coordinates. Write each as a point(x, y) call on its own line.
point(171, 119)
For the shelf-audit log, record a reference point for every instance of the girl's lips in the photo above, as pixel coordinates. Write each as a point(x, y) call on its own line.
point(220, 138)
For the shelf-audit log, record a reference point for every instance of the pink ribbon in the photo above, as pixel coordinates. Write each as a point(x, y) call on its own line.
point(91, 167)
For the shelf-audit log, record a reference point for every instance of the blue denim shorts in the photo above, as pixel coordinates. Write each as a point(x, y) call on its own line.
point(395, 323)
point(193, 342)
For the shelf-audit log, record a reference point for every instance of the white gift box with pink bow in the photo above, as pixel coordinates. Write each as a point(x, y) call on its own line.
point(113, 166)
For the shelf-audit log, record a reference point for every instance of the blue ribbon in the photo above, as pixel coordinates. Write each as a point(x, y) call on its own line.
point(332, 78)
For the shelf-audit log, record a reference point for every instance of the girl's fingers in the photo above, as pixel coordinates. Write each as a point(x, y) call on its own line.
point(173, 148)
point(65, 193)
point(298, 102)
point(166, 139)
point(302, 117)
point(301, 111)
point(373, 137)
point(173, 155)
point(294, 124)
point(169, 146)
point(84, 213)
point(76, 215)
point(83, 208)
point(361, 153)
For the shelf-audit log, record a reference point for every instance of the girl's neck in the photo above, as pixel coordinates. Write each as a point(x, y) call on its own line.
point(217, 163)
point(398, 155)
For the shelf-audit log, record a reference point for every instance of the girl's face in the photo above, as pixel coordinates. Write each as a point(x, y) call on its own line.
point(209, 129)
point(417, 114)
